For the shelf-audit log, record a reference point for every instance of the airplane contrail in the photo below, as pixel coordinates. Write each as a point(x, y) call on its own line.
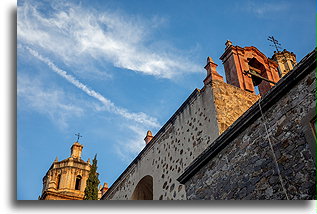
point(110, 106)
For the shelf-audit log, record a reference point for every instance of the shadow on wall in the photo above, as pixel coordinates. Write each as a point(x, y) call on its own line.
point(144, 189)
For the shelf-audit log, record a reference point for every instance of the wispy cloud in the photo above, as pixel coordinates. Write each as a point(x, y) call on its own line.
point(107, 104)
point(51, 102)
point(129, 148)
point(74, 33)
point(265, 8)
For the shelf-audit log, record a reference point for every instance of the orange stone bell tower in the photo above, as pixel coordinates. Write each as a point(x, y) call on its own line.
point(66, 179)
point(247, 68)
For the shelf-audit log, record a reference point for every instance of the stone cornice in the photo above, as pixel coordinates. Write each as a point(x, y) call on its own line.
point(237, 49)
point(60, 195)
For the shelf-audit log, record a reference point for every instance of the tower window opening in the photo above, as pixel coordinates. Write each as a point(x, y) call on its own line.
point(286, 66)
point(256, 80)
point(58, 181)
point(78, 182)
point(258, 71)
point(293, 63)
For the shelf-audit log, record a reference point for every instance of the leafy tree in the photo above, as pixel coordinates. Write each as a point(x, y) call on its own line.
point(91, 190)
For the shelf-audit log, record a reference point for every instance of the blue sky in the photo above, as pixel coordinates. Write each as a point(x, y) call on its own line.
point(112, 70)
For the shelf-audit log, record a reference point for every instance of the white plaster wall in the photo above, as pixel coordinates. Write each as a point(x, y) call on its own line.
point(182, 141)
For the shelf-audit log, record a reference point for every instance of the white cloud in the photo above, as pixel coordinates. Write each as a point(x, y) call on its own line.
point(49, 101)
point(72, 33)
point(107, 104)
point(136, 144)
point(130, 148)
point(263, 9)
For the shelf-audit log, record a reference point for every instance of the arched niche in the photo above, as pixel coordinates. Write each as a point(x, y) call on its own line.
point(144, 189)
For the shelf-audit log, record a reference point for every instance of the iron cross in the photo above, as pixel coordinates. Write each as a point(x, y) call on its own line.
point(78, 136)
point(276, 44)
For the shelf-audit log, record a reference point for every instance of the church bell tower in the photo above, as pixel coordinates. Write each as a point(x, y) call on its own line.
point(66, 179)
point(248, 68)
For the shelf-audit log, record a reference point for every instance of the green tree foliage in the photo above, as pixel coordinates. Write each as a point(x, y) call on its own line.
point(91, 190)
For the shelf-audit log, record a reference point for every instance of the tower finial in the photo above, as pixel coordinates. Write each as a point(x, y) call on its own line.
point(148, 137)
point(76, 149)
point(212, 73)
point(209, 59)
point(228, 43)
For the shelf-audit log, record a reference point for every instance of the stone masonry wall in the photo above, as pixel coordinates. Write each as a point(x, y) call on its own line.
point(231, 102)
point(245, 168)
